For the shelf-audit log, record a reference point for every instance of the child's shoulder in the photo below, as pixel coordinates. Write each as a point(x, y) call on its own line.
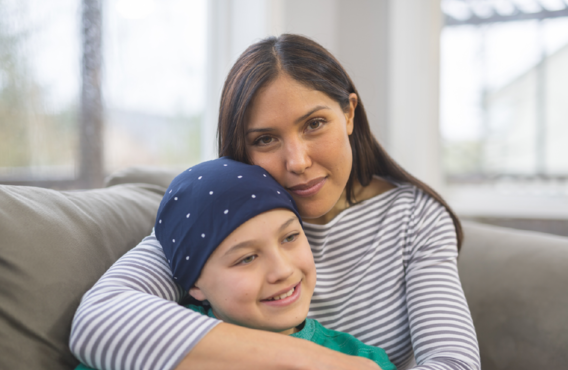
point(201, 309)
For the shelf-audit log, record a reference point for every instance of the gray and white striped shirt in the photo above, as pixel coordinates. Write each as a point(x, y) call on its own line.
point(387, 274)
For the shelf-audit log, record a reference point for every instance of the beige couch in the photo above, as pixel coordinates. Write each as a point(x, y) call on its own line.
point(55, 245)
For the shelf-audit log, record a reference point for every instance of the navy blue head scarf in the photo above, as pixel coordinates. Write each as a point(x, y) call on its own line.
point(207, 202)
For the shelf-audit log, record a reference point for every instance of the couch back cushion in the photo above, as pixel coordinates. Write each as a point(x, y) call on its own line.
point(143, 174)
point(516, 284)
point(53, 247)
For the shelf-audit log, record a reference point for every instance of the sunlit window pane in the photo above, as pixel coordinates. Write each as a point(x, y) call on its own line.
point(504, 92)
point(39, 88)
point(151, 78)
point(154, 60)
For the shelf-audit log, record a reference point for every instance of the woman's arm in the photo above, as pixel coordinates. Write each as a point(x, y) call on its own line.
point(442, 331)
point(232, 347)
point(130, 320)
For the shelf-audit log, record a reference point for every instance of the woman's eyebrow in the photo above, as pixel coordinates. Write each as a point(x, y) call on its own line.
point(250, 131)
point(298, 120)
point(315, 109)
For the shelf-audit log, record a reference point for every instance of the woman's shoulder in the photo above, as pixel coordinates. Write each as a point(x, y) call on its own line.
point(376, 187)
point(400, 201)
point(406, 192)
point(393, 197)
point(382, 190)
point(385, 200)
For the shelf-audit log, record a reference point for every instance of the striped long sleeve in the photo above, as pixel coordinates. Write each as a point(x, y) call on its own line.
point(387, 274)
point(440, 323)
point(130, 318)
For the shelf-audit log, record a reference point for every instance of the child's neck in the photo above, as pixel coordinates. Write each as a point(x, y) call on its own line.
point(290, 331)
point(285, 332)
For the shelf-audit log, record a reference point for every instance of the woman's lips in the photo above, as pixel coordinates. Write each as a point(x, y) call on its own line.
point(308, 189)
point(288, 300)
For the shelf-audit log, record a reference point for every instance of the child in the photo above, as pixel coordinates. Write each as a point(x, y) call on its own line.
point(234, 240)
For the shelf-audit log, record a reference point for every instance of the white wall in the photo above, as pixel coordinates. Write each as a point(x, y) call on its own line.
point(413, 93)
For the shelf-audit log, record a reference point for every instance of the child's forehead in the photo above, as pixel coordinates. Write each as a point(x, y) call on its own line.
point(267, 227)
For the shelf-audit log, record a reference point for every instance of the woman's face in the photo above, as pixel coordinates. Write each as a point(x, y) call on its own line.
point(301, 137)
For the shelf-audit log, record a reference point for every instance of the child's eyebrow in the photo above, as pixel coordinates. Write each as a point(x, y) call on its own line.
point(246, 243)
point(236, 247)
point(287, 223)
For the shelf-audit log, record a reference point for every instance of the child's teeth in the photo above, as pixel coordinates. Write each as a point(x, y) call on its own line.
point(282, 296)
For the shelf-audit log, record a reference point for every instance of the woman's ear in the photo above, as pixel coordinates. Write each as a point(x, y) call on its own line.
point(197, 293)
point(350, 112)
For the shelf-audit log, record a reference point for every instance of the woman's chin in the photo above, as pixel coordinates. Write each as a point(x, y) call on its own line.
point(317, 212)
point(311, 216)
point(322, 207)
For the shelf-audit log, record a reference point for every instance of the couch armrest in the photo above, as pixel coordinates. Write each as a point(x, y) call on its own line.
point(516, 286)
point(53, 247)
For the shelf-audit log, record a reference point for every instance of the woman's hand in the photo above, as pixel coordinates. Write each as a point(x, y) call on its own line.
point(233, 347)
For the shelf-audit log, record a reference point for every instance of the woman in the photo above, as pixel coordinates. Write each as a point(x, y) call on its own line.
point(385, 244)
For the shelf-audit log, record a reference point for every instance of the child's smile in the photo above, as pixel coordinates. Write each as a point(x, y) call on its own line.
point(262, 275)
point(286, 298)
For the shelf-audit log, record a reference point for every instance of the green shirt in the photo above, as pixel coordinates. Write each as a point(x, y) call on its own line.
point(336, 340)
point(317, 333)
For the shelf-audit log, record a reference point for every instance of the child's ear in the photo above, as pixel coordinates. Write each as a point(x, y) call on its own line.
point(197, 293)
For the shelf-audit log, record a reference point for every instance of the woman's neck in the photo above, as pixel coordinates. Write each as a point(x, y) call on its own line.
point(361, 193)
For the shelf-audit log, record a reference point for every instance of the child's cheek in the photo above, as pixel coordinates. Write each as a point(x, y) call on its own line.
point(242, 288)
point(308, 267)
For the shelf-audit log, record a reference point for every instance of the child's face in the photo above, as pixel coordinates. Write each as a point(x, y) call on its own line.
point(266, 257)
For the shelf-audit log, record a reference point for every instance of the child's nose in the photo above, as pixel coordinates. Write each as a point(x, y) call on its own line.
point(280, 269)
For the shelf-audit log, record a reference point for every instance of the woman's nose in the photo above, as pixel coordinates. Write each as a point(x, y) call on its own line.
point(297, 157)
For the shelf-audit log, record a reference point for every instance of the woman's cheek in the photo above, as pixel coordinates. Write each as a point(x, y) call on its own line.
point(271, 162)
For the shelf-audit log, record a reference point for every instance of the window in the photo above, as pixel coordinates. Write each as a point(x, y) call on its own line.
point(87, 87)
point(504, 95)
point(154, 60)
point(39, 87)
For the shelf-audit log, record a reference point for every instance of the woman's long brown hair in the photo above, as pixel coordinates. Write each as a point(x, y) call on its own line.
point(312, 65)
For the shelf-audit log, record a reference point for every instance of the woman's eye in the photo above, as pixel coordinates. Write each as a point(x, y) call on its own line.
point(315, 124)
point(290, 238)
point(248, 259)
point(264, 140)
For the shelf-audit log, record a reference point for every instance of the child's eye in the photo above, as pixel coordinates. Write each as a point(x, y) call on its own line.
point(290, 238)
point(247, 260)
